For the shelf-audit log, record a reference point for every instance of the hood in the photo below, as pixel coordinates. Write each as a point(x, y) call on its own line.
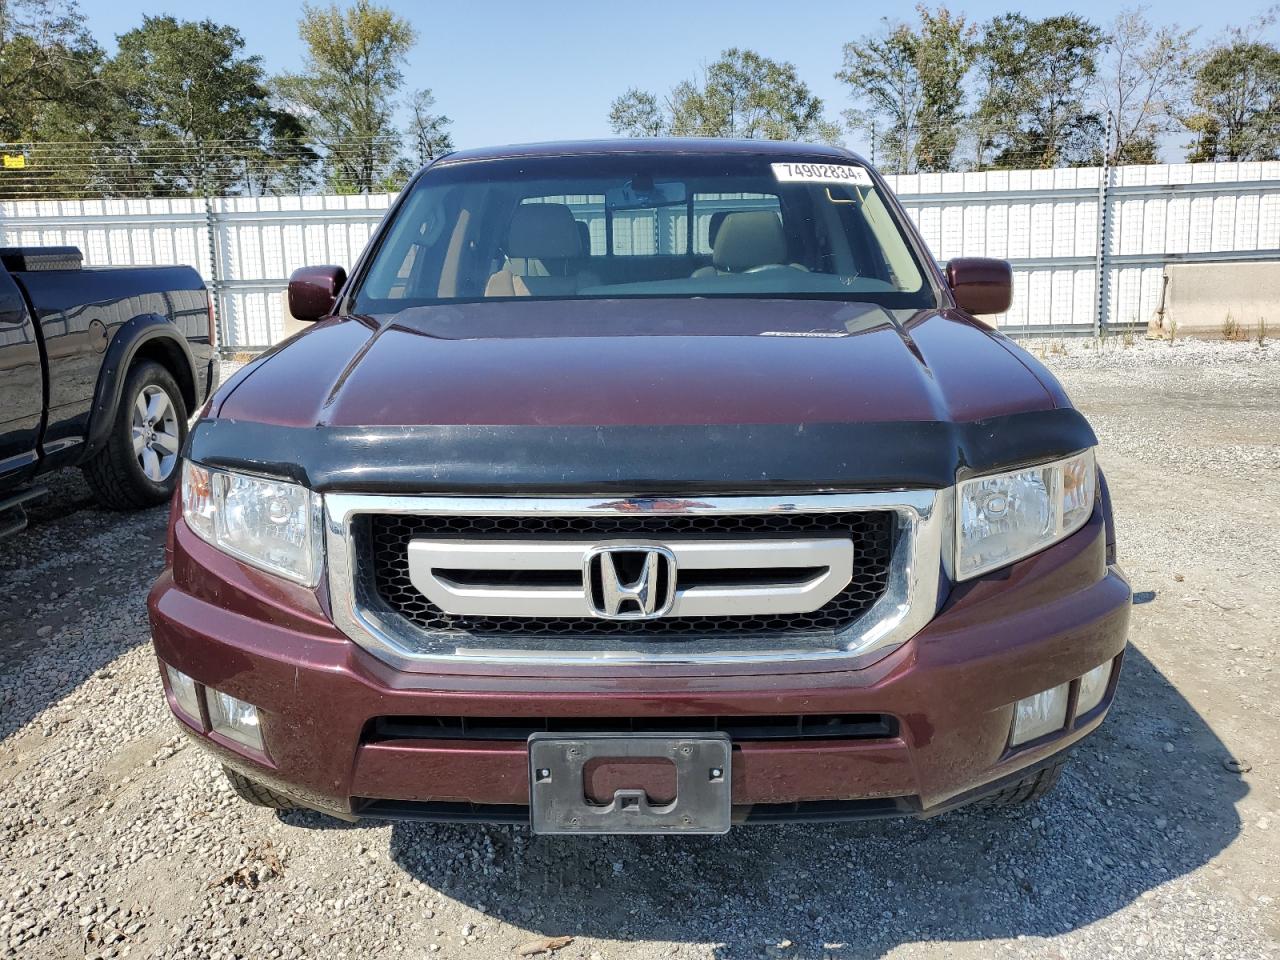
point(641, 397)
point(638, 362)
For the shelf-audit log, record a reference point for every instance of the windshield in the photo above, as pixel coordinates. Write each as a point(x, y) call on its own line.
point(642, 225)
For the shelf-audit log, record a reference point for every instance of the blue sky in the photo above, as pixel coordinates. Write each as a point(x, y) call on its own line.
point(509, 72)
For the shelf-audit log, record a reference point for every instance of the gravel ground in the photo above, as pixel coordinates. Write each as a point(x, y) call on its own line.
point(117, 838)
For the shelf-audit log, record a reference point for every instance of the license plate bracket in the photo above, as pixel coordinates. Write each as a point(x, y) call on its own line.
point(557, 796)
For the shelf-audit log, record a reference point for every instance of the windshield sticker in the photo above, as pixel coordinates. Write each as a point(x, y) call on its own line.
point(821, 173)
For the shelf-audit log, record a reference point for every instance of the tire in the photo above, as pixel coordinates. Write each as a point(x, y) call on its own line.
point(138, 465)
point(250, 791)
point(1027, 790)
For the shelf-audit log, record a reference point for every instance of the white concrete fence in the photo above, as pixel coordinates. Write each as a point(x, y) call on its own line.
point(1048, 223)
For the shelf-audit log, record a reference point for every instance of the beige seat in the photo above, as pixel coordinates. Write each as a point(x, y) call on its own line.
point(752, 238)
point(544, 244)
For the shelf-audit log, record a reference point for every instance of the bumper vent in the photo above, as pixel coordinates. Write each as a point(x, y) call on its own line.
point(835, 726)
point(810, 811)
point(382, 541)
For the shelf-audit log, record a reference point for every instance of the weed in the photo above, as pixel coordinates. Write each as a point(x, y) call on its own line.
point(1233, 329)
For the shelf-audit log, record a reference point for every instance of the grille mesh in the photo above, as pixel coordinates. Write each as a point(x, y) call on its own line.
point(386, 538)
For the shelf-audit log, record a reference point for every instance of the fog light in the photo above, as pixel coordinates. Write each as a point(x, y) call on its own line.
point(233, 718)
point(183, 689)
point(1093, 687)
point(1042, 713)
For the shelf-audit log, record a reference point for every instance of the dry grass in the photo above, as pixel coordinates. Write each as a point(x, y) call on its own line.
point(1233, 330)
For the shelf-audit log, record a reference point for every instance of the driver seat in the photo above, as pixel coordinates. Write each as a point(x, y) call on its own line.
point(750, 238)
point(543, 254)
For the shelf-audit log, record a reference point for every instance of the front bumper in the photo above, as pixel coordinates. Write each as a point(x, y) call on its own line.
point(951, 689)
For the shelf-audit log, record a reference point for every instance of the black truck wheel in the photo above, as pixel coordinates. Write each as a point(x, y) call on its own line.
point(1027, 790)
point(138, 463)
point(250, 791)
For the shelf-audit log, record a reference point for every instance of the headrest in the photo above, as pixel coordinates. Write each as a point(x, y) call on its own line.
point(584, 238)
point(749, 239)
point(546, 231)
point(713, 226)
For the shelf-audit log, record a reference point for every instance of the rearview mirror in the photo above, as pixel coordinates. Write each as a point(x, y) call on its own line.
point(644, 193)
point(980, 284)
point(313, 291)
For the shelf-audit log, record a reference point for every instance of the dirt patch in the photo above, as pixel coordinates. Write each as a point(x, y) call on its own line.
point(1163, 839)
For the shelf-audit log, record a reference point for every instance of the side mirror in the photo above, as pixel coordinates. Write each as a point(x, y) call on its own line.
point(980, 284)
point(314, 290)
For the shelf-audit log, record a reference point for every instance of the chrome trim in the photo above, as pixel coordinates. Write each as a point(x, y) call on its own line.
point(921, 552)
point(832, 558)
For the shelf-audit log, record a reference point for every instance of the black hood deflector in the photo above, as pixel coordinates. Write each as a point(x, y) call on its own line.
point(479, 460)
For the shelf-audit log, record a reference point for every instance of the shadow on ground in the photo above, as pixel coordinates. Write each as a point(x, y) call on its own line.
point(73, 589)
point(1129, 815)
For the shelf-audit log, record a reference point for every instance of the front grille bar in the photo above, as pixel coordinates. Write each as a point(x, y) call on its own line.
point(517, 569)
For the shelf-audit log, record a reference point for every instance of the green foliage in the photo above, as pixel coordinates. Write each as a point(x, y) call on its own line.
point(1134, 149)
point(345, 96)
point(197, 112)
point(1235, 104)
point(909, 79)
point(181, 109)
point(48, 69)
point(1035, 77)
point(637, 114)
point(49, 90)
point(743, 94)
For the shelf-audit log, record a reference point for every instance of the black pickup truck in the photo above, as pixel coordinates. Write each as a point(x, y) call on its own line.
point(99, 368)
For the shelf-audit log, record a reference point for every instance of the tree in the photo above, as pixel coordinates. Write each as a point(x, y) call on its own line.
point(282, 161)
point(1034, 77)
point(908, 83)
point(1235, 103)
point(199, 114)
point(429, 132)
point(1143, 83)
point(346, 93)
point(637, 114)
point(48, 69)
point(52, 101)
point(743, 94)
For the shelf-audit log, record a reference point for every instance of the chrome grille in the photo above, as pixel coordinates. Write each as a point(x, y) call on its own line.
point(901, 535)
point(384, 540)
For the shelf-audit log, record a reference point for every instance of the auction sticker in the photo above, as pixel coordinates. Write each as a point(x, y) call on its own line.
point(821, 173)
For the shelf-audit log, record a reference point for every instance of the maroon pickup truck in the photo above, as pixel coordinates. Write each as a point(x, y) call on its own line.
point(643, 486)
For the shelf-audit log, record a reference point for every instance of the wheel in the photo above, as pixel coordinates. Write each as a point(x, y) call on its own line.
point(138, 464)
point(250, 791)
point(1027, 790)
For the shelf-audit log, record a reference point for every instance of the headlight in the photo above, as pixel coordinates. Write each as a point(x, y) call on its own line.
point(1007, 516)
point(270, 524)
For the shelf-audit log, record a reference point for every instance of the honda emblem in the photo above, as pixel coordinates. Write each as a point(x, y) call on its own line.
point(630, 581)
